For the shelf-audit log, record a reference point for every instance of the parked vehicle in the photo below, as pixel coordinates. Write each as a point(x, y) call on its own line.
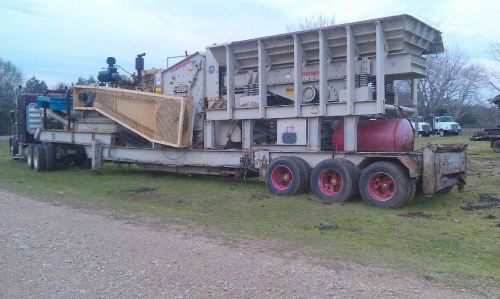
point(446, 125)
point(423, 127)
point(303, 110)
point(491, 134)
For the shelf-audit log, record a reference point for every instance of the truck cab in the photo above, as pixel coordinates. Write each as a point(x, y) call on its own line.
point(446, 125)
point(424, 128)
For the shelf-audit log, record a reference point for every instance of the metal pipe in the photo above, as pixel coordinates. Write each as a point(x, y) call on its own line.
point(398, 108)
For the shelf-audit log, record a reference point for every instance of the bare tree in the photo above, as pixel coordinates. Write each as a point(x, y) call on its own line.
point(60, 86)
point(312, 22)
point(495, 72)
point(452, 80)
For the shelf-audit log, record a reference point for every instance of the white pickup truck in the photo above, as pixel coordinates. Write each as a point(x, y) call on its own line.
point(424, 128)
point(446, 125)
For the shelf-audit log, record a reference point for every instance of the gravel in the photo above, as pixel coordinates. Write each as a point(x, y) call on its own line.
point(54, 251)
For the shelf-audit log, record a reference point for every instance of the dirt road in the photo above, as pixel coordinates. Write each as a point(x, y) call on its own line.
point(59, 252)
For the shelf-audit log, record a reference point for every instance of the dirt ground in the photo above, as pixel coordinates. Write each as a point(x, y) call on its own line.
point(53, 251)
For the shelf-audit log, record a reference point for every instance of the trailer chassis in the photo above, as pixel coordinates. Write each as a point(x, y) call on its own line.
point(434, 167)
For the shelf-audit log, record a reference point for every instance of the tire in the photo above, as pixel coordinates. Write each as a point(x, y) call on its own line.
point(385, 184)
point(411, 191)
point(51, 155)
point(39, 158)
point(354, 174)
point(333, 181)
point(496, 146)
point(305, 173)
point(284, 176)
point(441, 133)
point(29, 155)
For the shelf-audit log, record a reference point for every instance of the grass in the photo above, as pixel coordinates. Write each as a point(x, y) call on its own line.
point(475, 149)
point(433, 238)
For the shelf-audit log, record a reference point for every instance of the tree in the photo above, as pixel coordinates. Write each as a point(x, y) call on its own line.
point(61, 86)
point(83, 81)
point(495, 72)
point(34, 85)
point(312, 22)
point(10, 80)
point(452, 81)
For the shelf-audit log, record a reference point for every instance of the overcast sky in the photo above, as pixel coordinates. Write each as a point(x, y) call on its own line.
point(61, 40)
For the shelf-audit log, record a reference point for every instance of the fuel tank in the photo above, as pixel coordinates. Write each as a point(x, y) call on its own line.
point(380, 135)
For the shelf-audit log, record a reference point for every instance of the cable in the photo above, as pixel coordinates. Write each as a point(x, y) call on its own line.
point(123, 69)
point(404, 115)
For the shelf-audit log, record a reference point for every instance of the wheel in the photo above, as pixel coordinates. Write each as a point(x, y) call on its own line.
point(412, 190)
point(354, 174)
point(332, 181)
point(305, 173)
point(496, 146)
point(39, 158)
point(385, 184)
point(29, 155)
point(441, 133)
point(283, 176)
point(51, 155)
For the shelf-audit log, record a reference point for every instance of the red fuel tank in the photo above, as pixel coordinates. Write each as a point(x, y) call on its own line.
point(380, 135)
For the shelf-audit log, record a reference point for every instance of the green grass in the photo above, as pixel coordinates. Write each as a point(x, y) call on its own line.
point(475, 149)
point(452, 246)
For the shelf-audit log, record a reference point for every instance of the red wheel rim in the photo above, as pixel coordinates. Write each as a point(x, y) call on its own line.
point(281, 177)
point(381, 186)
point(330, 182)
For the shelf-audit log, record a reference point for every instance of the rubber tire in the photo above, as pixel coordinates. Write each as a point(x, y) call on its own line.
point(39, 158)
point(51, 155)
point(354, 173)
point(348, 188)
point(441, 133)
point(306, 173)
point(398, 174)
point(296, 171)
point(496, 146)
point(412, 191)
point(29, 155)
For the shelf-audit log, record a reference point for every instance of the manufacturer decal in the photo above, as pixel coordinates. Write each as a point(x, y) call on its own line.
point(182, 64)
point(310, 73)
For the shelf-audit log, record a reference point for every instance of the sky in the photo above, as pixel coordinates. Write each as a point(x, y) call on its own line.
point(58, 41)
